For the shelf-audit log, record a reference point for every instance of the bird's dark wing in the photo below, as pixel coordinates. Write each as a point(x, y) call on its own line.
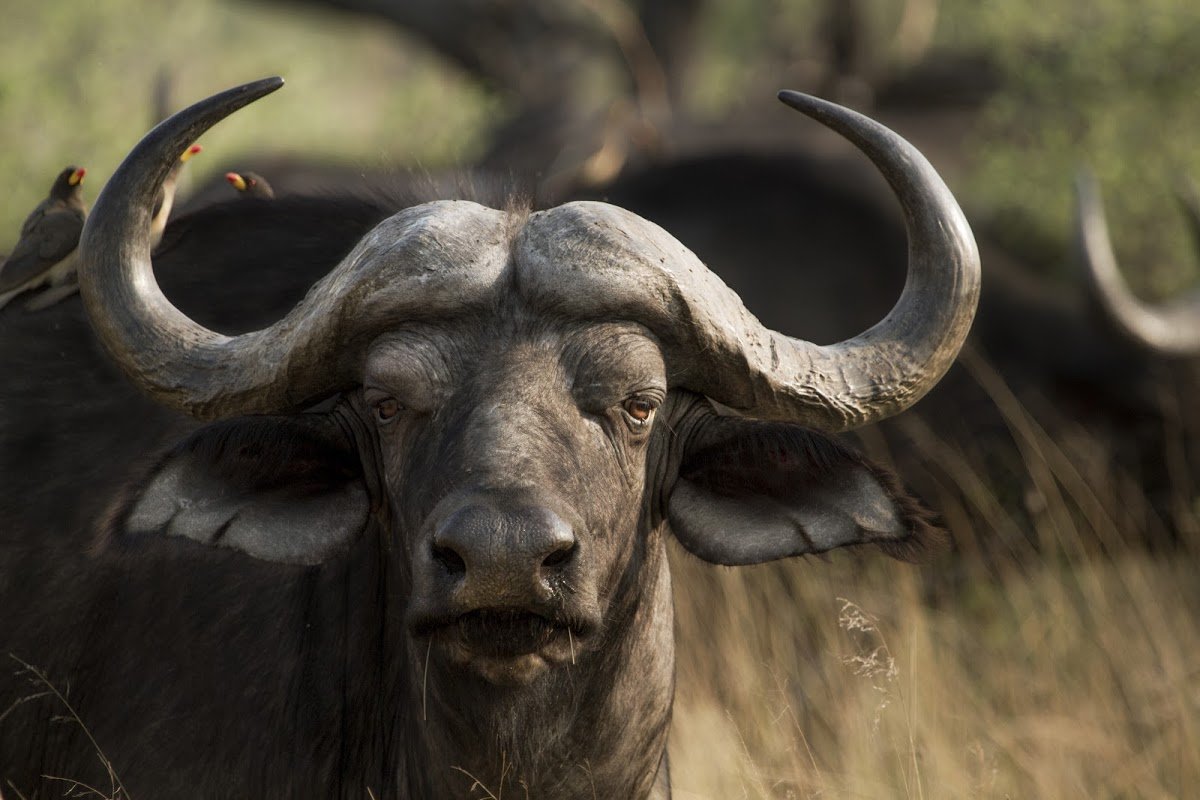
point(59, 234)
point(52, 240)
point(35, 217)
point(20, 268)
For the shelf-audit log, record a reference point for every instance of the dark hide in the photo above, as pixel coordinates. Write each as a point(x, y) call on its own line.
point(248, 243)
point(202, 667)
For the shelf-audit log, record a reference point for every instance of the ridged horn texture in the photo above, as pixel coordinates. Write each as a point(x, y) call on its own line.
point(583, 260)
point(896, 362)
point(1171, 329)
point(619, 265)
point(441, 254)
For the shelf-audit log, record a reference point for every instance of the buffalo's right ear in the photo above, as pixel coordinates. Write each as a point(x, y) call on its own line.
point(287, 489)
point(750, 491)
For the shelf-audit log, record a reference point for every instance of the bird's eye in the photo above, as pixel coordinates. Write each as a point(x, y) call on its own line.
point(640, 409)
point(387, 408)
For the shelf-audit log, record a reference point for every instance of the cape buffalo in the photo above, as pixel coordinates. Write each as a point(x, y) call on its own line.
point(420, 551)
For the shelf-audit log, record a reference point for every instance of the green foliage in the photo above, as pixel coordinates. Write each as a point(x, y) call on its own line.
point(1108, 84)
point(1103, 83)
point(76, 83)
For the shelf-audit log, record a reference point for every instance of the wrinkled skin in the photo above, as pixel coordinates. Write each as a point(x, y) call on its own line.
point(524, 424)
point(399, 691)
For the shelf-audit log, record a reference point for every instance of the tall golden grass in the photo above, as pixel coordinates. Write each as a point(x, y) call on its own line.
point(1073, 671)
point(1054, 681)
point(1067, 671)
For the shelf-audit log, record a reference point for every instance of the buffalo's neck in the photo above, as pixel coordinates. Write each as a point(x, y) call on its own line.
point(597, 727)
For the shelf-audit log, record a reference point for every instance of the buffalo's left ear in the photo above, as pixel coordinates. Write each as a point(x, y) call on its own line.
point(749, 492)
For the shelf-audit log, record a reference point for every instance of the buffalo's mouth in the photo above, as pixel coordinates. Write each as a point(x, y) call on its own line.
point(506, 633)
point(505, 645)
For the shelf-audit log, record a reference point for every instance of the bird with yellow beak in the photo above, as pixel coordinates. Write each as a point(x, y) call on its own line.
point(250, 184)
point(46, 252)
point(166, 196)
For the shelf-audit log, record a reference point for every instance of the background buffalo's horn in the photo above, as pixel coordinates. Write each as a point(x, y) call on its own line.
point(889, 367)
point(1170, 329)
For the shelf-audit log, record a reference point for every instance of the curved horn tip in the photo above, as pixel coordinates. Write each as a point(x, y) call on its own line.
point(872, 137)
point(798, 100)
point(1087, 185)
point(813, 106)
point(132, 317)
point(147, 165)
point(229, 100)
point(261, 86)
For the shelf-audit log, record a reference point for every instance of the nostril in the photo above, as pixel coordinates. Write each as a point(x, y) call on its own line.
point(560, 555)
point(451, 561)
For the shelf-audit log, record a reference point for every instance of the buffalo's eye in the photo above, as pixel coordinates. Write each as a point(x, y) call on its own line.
point(387, 408)
point(640, 409)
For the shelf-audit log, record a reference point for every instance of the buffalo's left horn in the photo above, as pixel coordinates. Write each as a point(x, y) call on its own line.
point(889, 367)
point(1170, 329)
point(633, 269)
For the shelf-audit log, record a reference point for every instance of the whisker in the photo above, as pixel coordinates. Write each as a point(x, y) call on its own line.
point(425, 684)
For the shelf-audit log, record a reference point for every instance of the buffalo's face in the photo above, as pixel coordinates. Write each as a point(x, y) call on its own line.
point(514, 456)
point(522, 454)
point(521, 470)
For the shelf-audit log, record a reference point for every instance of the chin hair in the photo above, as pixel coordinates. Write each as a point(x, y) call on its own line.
point(523, 727)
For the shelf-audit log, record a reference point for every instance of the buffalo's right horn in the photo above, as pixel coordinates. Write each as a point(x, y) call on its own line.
point(318, 347)
point(1172, 328)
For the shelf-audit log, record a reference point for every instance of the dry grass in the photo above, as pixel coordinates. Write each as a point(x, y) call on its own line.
point(42, 687)
point(1051, 682)
point(1072, 671)
point(1065, 673)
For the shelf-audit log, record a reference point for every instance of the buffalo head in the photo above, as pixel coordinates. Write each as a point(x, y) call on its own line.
point(520, 408)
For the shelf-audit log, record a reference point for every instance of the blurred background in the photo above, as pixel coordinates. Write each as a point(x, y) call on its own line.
point(1054, 651)
point(1009, 97)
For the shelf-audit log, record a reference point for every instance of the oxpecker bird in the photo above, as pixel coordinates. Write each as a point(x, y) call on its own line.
point(45, 253)
point(250, 184)
point(166, 197)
